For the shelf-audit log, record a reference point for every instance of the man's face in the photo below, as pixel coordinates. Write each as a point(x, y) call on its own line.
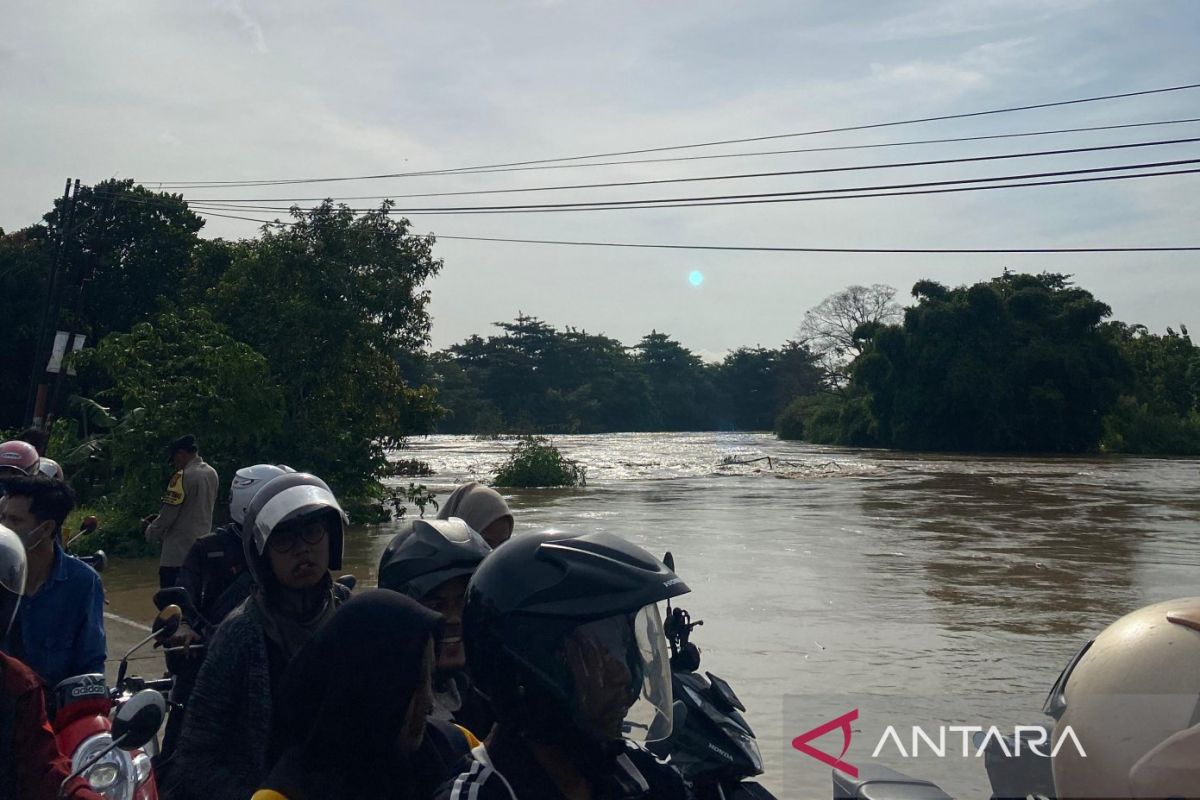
point(498, 532)
point(604, 687)
point(180, 459)
point(448, 600)
point(15, 515)
point(299, 556)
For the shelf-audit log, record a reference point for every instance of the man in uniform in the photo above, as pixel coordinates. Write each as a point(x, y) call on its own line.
point(187, 508)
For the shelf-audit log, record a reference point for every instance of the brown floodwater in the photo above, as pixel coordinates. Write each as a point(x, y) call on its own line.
point(831, 571)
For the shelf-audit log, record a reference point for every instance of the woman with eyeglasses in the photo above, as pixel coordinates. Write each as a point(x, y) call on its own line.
point(292, 534)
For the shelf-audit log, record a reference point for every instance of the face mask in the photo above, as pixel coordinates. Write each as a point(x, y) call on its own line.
point(33, 540)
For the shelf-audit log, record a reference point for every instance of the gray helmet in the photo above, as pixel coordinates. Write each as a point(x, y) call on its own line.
point(12, 578)
point(427, 553)
point(291, 497)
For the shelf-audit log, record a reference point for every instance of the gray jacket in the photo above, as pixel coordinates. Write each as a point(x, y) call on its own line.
point(186, 512)
point(226, 737)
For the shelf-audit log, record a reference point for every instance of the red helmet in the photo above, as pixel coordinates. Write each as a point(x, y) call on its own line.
point(18, 456)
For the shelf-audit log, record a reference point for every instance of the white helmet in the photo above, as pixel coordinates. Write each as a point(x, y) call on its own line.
point(50, 468)
point(1135, 685)
point(247, 481)
point(12, 578)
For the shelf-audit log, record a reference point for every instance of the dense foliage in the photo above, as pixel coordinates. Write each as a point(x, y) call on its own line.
point(286, 347)
point(1019, 363)
point(536, 378)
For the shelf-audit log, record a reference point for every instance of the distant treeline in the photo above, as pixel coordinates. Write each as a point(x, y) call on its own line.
point(1018, 364)
point(534, 378)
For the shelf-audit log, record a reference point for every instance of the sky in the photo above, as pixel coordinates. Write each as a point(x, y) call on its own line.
point(221, 90)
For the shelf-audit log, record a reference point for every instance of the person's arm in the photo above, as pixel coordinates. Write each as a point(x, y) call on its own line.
point(38, 765)
point(172, 503)
point(91, 644)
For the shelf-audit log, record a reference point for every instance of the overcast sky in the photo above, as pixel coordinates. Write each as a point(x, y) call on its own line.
point(239, 90)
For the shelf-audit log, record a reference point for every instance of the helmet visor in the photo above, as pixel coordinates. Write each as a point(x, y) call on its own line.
point(622, 676)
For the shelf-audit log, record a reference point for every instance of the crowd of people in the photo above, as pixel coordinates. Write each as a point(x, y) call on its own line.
point(482, 666)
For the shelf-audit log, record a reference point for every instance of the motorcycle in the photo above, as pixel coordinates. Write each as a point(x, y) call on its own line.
point(115, 757)
point(711, 743)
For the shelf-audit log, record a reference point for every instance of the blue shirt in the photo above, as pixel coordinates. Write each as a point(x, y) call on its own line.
point(62, 626)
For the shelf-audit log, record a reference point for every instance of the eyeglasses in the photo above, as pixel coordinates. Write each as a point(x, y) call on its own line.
point(286, 541)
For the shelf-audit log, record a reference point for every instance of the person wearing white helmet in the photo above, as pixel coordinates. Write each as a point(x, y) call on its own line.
point(214, 572)
point(292, 535)
point(1130, 699)
point(50, 468)
point(31, 765)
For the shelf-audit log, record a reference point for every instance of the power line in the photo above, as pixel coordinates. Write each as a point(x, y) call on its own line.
point(740, 176)
point(868, 250)
point(695, 145)
point(831, 149)
point(770, 249)
point(856, 192)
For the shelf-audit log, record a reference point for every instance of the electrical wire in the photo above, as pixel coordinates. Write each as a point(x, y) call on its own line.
point(690, 146)
point(770, 249)
point(740, 176)
point(855, 192)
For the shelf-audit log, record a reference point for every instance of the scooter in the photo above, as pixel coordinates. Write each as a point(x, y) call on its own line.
point(711, 743)
point(116, 763)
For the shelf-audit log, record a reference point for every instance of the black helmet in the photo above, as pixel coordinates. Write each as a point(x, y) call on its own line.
point(427, 553)
point(12, 578)
point(291, 497)
point(550, 610)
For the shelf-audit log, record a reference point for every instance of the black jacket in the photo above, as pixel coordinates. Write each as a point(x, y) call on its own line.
point(490, 772)
point(214, 574)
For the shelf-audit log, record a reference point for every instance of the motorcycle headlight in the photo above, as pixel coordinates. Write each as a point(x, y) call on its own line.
point(112, 775)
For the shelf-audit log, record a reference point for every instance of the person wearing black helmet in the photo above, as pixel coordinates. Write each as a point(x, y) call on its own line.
point(293, 533)
point(431, 562)
point(564, 638)
point(31, 765)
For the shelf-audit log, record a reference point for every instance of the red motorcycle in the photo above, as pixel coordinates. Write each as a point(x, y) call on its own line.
point(115, 758)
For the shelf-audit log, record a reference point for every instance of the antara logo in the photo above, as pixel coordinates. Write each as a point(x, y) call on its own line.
point(801, 742)
point(921, 742)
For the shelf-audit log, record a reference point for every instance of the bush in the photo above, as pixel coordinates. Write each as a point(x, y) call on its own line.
point(790, 423)
point(537, 462)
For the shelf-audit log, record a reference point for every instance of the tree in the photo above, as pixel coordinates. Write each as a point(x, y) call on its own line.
point(831, 329)
point(129, 249)
point(179, 373)
point(330, 301)
point(24, 269)
point(1016, 364)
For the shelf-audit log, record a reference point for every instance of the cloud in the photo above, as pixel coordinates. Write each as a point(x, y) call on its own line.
point(237, 10)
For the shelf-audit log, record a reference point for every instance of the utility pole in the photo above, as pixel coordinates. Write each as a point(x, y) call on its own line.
point(39, 379)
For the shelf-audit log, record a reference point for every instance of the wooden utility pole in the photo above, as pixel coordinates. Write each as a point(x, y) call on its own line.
point(39, 379)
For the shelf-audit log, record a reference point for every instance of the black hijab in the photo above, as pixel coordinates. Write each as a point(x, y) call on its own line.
point(345, 697)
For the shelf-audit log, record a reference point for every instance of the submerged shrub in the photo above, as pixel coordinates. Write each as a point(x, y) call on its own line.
point(537, 462)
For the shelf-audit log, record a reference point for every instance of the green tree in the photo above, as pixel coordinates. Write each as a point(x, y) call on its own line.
point(1016, 364)
point(177, 374)
point(1159, 410)
point(330, 301)
point(24, 267)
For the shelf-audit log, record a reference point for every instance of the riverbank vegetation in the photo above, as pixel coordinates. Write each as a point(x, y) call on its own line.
point(1017, 364)
point(286, 347)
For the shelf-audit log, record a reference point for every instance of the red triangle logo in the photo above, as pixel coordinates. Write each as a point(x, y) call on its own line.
point(801, 743)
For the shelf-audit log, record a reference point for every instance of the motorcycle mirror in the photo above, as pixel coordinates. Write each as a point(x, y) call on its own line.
point(138, 719)
point(669, 560)
point(167, 622)
point(349, 581)
point(99, 561)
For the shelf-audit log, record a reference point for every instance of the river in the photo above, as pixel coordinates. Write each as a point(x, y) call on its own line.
point(827, 572)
